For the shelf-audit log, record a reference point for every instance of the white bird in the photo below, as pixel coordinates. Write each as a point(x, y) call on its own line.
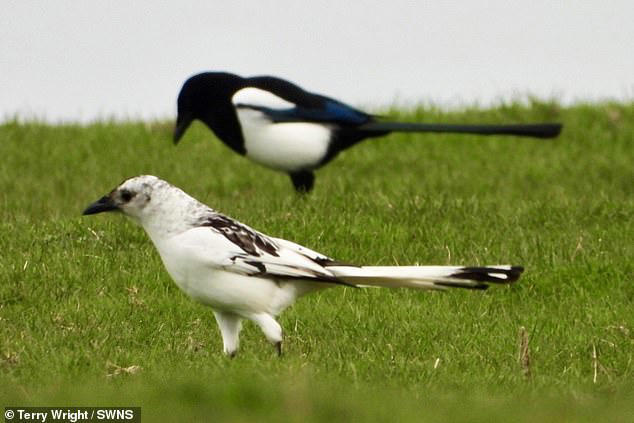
point(243, 274)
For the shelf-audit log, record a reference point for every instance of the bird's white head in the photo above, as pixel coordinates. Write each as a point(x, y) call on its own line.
point(161, 208)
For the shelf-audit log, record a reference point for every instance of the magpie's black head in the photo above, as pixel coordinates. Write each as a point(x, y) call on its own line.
point(205, 96)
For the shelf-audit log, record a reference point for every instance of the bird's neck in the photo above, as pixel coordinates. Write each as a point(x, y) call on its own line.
point(160, 228)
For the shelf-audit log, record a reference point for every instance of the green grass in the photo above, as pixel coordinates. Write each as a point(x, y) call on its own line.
point(82, 299)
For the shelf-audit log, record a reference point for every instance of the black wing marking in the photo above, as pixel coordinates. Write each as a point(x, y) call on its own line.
point(261, 270)
point(314, 256)
point(250, 241)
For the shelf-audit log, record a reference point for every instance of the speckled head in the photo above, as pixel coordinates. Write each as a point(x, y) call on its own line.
point(161, 208)
point(130, 197)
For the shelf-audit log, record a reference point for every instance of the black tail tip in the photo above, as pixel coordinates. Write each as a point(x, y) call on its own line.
point(492, 274)
point(516, 272)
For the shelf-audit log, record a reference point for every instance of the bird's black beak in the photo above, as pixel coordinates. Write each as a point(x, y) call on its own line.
point(182, 123)
point(104, 204)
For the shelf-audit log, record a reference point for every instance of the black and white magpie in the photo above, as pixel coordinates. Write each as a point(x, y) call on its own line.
point(281, 126)
point(243, 274)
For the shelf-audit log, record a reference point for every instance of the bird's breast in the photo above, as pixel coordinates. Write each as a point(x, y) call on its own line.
point(215, 286)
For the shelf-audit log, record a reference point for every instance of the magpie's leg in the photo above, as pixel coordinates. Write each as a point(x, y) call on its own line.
point(278, 347)
point(303, 181)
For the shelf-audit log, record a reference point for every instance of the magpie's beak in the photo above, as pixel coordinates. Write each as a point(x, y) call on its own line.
point(182, 123)
point(104, 204)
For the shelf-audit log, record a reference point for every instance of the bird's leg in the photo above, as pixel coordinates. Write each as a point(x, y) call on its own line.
point(230, 325)
point(272, 330)
point(303, 181)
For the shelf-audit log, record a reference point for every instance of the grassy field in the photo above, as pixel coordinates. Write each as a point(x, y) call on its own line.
point(88, 316)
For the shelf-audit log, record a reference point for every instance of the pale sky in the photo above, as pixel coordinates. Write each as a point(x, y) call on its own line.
point(86, 60)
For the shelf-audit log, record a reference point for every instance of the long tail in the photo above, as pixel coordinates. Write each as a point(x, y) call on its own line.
point(427, 277)
point(537, 130)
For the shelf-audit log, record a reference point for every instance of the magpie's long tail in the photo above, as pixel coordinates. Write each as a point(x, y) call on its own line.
point(427, 277)
point(537, 130)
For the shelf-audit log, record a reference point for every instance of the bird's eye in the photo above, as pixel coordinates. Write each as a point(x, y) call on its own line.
point(126, 196)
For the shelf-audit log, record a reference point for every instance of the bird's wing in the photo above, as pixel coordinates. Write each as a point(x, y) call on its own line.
point(282, 101)
point(222, 242)
point(319, 258)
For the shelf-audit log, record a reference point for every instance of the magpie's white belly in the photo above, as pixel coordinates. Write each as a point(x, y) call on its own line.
point(288, 146)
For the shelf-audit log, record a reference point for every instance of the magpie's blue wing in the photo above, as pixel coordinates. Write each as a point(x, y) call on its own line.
point(331, 112)
point(303, 106)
